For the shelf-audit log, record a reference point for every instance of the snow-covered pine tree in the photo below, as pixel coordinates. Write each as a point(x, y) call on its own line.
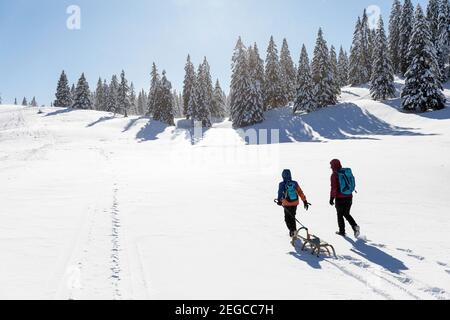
point(433, 9)
point(322, 74)
point(82, 95)
point(447, 3)
point(273, 91)
point(253, 112)
point(140, 104)
point(246, 105)
point(334, 70)
point(227, 104)
point(382, 82)
point(163, 109)
point(63, 96)
point(288, 72)
point(177, 106)
point(218, 102)
point(154, 85)
point(188, 85)
point(123, 96)
point(34, 102)
point(423, 89)
point(237, 49)
point(24, 102)
point(235, 75)
point(73, 91)
point(99, 96)
point(394, 35)
point(180, 103)
point(356, 69)
point(365, 58)
point(143, 111)
point(133, 102)
point(199, 109)
point(342, 68)
point(371, 48)
point(406, 26)
point(15, 101)
point(207, 86)
point(92, 98)
point(104, 106)
point(194, 100)
point(256, 68)
point(443, 42)
point(305, 101)
point(112, 104)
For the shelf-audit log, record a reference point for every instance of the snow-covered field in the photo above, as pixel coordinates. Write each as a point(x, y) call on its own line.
point(96, 207)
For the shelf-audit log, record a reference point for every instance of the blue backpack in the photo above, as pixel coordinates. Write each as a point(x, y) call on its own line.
point(346, 181)
point(291, 194)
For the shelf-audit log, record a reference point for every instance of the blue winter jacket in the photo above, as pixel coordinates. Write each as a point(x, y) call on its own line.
point(287, 178)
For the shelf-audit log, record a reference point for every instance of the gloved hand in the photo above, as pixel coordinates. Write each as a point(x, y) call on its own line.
point(307, 204)
point(331, 201)
point(279, 203)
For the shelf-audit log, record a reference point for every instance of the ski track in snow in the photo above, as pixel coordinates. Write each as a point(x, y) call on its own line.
point(411, 254)
point(72, 264)
point(381, 281)
point(85, 264)
point(362, 278)
point(116, 247)
point(412, 287)
point(82, 267)
point(375, 276)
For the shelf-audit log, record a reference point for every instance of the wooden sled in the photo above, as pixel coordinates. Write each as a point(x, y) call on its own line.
point(315, 244)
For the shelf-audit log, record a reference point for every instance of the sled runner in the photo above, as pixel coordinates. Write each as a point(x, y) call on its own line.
point(315, 244)
point(312, 242)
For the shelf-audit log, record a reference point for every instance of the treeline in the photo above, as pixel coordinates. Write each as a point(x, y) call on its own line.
point(416, 48)
point(25, 103)
point(201, 102)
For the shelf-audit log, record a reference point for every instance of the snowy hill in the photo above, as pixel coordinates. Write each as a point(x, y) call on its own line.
point(97, 207)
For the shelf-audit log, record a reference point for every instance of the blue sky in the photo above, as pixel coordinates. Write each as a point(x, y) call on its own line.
point(115, 34)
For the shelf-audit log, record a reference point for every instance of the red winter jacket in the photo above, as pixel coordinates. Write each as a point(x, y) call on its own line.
point(335, 188)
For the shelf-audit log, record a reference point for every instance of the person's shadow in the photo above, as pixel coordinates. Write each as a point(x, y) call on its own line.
point(377, 256)
point(305, 256)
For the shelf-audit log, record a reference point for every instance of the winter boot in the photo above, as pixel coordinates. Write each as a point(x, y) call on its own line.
point(357, 231)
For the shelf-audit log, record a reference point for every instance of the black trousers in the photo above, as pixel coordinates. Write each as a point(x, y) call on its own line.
point(289, 217)
point(343, 207)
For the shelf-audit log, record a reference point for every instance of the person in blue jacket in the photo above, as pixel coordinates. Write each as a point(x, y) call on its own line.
point(289, 195)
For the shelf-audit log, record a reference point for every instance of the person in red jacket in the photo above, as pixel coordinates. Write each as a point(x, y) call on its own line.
point(342, 202)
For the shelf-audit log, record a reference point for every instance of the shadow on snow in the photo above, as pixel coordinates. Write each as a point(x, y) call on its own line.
point(376, 256)
point(132, 123)
point(344, 121)
point(151, 131)
point(102, 119)
point(443, 114)
point(366, 251)
point(58, 112)
point(305, 256)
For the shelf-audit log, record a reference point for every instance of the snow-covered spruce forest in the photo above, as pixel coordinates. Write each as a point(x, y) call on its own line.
point(417, 48)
